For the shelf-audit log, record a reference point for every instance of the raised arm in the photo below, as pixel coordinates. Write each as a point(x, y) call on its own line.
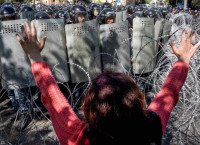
point(69, 129)
point(167, 98)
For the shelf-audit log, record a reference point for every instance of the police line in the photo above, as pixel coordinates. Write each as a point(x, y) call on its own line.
point(88, 46)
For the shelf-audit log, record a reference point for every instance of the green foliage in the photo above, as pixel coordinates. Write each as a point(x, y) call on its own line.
point(166, 2)
point(99, 2)
point(2, 1)
point(197, 3)
point(147, 1)
point(86, 1)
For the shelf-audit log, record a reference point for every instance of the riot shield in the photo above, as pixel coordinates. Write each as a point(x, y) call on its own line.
point(16, 68)
point(166, 31)
point(27, 15)
point(115, 46)
point(125, 15)
point(83, 50)
point(143, 45)
point(54, 51)
point(119, 17)
point(158, 27)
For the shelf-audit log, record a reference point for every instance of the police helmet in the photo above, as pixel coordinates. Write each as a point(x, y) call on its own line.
point(77, 11)
point(26, 9)
point(150, 13)
point(59, 14)
point(81, 3)
point(41, 15)
point(139, 9)
point(180, 7)
point(94, 8)
point(123, 7)
point(164, 11)
point(105, 14)
point(39, 7)
point(67, 8)
point(91, 4)
point(7, 4)
point(7, 13)
point(130, 9)
point(106, 5)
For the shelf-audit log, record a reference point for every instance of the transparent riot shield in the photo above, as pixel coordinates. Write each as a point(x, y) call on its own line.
point(83, 50)
point(54, 51)
point(16, 68)
point(125, 15)
point(166, 31)
point(119, 17)
point(27, 15)
point(143, 45)
point(158, 28)
point(115, 46)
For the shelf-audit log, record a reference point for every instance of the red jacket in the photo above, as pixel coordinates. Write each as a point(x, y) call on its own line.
point(70, 130)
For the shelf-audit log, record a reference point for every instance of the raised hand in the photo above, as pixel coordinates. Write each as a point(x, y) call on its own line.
point(31, 46)
point(187, 47)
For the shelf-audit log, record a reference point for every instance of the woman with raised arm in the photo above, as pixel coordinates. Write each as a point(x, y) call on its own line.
point(114, 107)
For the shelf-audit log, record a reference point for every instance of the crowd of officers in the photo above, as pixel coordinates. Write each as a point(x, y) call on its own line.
point(81, 12)
point(78, 13)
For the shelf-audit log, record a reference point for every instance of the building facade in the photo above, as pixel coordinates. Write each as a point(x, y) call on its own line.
point(119, 2)
point(48, 2)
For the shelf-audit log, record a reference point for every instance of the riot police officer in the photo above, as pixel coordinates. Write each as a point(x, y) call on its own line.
point(107, 16)
point(164, 13)
point(130, 9)
point(94, 12)
point(81, 3)
point(50, 11)
point(64, 15)
point(18, 95)
point(106, 5)
point(78, 14)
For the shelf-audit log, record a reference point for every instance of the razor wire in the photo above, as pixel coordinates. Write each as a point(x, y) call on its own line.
point(183, 126)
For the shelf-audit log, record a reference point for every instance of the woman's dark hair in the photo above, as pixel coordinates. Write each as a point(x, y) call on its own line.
point(114, 104)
